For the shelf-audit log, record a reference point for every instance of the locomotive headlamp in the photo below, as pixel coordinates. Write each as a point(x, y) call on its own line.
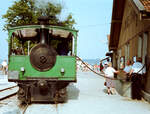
point(22, 69)
point(42, 26)
point(62, 70)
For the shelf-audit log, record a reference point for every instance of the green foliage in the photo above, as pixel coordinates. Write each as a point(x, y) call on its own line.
point(25, 12)
point(23, 45)
point(20, 13)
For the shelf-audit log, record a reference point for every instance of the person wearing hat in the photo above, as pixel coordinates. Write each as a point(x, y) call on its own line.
point(109, 72)
point(137, 70)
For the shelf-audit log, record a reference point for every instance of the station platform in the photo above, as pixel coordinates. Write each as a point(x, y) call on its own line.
point(87, 96)
point(4, 81)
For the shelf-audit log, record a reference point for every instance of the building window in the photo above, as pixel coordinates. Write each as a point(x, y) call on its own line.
point(127, 52)
point(122, 62)
point(144, 47)
point(140, 46)
point(118, 60)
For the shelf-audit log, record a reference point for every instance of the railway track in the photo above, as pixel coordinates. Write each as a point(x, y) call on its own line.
point(8, 92)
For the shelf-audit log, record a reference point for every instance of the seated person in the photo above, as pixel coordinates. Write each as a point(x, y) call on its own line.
point(128, 67)
point(62, 48)
point(16, 51)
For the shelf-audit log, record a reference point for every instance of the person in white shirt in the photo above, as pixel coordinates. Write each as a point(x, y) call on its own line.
point(138, 69)
point(128, 67)
point(4, 65)
point(105, 66)
point(109, 72)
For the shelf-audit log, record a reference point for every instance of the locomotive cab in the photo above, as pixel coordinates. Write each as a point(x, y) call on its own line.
point(42, 61)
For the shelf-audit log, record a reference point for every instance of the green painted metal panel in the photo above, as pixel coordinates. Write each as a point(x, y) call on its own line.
point(66, 62)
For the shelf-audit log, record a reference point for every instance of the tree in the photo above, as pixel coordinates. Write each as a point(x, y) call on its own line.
point(25, 12)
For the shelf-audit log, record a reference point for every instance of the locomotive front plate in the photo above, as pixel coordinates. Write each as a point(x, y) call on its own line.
point(43, 57)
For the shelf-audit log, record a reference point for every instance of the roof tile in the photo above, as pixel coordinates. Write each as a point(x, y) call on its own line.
point(146, 4)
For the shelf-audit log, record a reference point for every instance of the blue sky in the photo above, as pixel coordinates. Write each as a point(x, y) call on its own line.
point(93, 19)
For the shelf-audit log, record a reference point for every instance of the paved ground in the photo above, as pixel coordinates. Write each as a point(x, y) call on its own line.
point(4, 82)
point(88, 96)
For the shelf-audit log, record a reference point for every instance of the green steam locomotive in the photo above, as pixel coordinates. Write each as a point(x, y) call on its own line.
point(42, 61)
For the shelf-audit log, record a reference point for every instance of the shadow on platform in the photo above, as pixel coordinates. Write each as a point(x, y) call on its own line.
point(73, 92)
point(105, 90)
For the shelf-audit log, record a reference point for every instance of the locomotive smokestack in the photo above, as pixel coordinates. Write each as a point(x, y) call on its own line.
point(44, 36)
point(44, 20)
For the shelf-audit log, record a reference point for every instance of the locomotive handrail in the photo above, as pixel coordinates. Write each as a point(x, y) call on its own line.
point(100, 74)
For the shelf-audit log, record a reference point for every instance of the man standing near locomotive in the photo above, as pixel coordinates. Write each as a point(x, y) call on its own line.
point(138, 69)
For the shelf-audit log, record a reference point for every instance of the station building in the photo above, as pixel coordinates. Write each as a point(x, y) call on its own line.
point(130, 35)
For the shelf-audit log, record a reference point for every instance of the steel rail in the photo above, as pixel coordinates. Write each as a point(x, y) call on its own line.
point(9, 95)
point(8, 88)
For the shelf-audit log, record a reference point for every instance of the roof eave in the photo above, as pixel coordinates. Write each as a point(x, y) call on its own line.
point(117, 15)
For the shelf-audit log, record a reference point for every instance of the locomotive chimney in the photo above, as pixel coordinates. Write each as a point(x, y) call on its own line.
point(44, 20)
